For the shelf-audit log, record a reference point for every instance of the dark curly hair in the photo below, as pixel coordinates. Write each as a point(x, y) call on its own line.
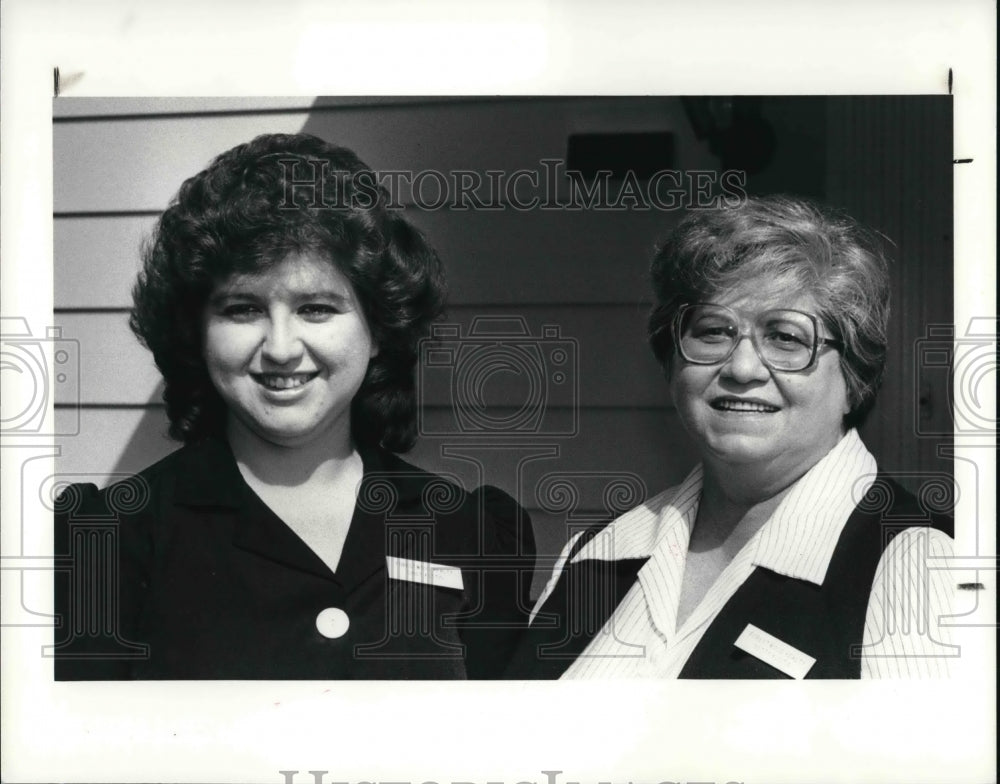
point(800, 245)
point(254, 205)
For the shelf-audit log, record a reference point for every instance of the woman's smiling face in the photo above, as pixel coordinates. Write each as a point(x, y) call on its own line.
point(287, 349)
point(741, 413)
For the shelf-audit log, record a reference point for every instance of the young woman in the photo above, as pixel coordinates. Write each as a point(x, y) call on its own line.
point(283, 303)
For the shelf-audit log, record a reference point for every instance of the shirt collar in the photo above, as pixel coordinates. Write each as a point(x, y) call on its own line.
point(208, 476)
point(798, 540)
point(636, 533)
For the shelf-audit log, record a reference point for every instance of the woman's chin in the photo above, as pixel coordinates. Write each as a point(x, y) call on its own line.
point(740, 450)
point(289, 435)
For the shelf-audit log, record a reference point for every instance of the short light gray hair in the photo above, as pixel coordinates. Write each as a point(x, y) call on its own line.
point(810, 249)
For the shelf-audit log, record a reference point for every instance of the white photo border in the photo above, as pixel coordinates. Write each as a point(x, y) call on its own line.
point(495, 732)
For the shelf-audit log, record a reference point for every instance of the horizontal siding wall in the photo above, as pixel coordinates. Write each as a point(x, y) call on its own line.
point(505, 257)
point(610, 362)
point(118, 162)
point(508, 136)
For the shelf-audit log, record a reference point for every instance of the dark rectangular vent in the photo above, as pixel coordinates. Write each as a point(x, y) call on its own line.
point(643, 154)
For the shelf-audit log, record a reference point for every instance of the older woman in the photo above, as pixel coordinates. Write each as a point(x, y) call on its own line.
point(283, 302)
point(771, 558)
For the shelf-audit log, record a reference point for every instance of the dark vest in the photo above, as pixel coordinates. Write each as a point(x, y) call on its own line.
point(825, 622)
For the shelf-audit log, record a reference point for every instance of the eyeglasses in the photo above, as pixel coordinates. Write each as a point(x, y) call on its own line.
point(784, 339)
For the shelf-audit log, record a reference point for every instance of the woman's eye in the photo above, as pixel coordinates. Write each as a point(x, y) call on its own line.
point(786, 339)
point(241, 311)
point(318, 310)
point(712, 332)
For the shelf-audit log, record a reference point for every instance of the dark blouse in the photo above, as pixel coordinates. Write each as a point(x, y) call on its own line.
point(183, 572)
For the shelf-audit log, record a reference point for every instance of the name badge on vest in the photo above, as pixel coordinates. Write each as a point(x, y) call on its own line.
point(770, 650)
point(438, 575)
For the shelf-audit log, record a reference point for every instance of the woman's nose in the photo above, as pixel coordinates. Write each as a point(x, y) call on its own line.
point(282, 343)
point(744, 364)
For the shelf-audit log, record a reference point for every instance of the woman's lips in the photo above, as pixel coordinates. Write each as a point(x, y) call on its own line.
point(742, 405)
point(283, 381)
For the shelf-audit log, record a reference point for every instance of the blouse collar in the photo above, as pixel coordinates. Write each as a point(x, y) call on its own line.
point(798, 540)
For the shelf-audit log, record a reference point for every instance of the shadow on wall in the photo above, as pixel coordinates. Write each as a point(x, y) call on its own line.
point(149, 442)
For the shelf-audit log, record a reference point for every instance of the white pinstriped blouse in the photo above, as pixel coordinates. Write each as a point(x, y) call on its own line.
point(902, 636)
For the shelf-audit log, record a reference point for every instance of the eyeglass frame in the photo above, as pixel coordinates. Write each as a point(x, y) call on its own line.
point(818, 341)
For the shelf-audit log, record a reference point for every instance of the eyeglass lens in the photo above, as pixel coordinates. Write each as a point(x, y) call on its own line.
point(785, 339)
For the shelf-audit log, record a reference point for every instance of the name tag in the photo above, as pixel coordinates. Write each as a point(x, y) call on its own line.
point(770, 650)
point(439, 575)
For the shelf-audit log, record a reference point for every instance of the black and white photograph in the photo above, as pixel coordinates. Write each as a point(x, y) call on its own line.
point(636, 398)
point(593, 251)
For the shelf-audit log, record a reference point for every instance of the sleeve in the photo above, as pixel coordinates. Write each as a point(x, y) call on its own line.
point(505, 588)
point(101, 573)
point(912, 593)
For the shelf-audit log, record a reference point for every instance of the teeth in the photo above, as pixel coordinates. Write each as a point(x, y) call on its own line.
point(273, 381)
point(743, 405)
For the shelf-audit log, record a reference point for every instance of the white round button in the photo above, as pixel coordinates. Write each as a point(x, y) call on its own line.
point(332, 623)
